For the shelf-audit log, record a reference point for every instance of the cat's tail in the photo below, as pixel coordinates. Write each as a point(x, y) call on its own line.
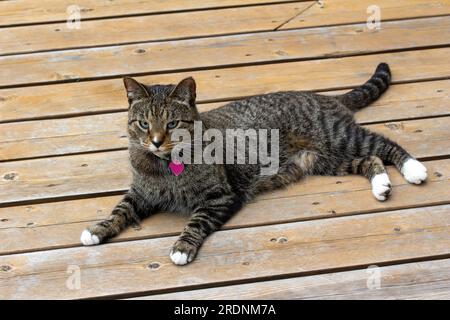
point(369, 91)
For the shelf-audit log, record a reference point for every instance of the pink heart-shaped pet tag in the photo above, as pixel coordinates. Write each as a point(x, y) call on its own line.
point(176, 167)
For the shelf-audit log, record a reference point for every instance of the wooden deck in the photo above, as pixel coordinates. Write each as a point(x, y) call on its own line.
point(63, 158)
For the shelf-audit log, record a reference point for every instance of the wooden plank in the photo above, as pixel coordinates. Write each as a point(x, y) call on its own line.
point(218, 85)
point(69, 176)
point(334, 12)
point(28, 11)
point(21, 140)
point(147, 28)
point(427, 280)
point(205, 23)
point(408, 101)
point(216, 52)
point(229, 257)
point(59, 224)
point(418, 136)
point(109, 172)
point(401, 101)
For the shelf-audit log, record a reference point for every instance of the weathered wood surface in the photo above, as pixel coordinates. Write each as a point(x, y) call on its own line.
point(428, 280)
point(222, 51)
point(230, 256)
point(206, 23)
point(307, 233)
point(21, 140)
point(21, 12)
point(109, 171)
point(147, 28)
point(59, 224)
point(348, 11)
point(218, 85)
point(401, 101)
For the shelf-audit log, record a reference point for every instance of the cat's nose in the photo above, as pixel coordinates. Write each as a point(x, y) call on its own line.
point(157, 143)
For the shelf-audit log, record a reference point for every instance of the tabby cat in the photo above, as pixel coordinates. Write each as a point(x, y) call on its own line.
point(317, 136)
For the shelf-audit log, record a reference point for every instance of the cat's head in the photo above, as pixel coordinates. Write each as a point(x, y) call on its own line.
point(156, 111)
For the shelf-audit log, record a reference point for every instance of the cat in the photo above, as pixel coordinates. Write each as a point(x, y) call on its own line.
point(317, 136)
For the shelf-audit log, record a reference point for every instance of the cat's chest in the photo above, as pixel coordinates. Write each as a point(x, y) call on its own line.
point(169, 192)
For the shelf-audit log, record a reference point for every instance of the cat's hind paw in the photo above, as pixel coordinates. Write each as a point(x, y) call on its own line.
point(414, 171)
point(381, 186)
point(182, 252)
point(89, 239)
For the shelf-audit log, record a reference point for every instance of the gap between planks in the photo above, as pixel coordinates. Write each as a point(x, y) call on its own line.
point(132, 9)
point(218, 85)
point(72, 176)
point(180, 26)
point(221, 52)
point(428, 279)
point(45, 139)
point(233, 256)
point(232, 66)
point(344, 11)
point(37, 139)
point(313, 198)
point(176, 26)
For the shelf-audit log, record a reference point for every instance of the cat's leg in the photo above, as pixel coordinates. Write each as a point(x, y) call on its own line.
point(373, 169)
point(387, 150)
point(298, 166)
point(204, 221)
point(128, 211)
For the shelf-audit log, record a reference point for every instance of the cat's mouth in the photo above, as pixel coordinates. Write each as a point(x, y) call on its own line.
point(164, 151)
point(162, 154)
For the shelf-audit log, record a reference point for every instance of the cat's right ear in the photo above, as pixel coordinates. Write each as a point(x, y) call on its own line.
point(135, 90)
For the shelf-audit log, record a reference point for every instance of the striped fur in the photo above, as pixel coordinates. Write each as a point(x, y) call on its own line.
point(370, 91)
point(318, 136)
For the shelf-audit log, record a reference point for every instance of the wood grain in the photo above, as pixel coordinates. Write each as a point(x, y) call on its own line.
point(59, 224)
point(147, 28)
point(401, 101)
point(29, 12)
point(69, 176)
point(39, 138)
point(427, 280)
point(231, 256)
point(210, 22)
point(109, 171)
point(348, 11)
point(217, 85)
point(217, 52)
point(292, 243)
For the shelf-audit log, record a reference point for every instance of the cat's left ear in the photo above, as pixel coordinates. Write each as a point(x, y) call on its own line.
point(185, 91)
point(135, 90)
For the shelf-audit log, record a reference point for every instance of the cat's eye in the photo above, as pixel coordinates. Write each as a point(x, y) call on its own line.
point(172, 124)
point(143, 124)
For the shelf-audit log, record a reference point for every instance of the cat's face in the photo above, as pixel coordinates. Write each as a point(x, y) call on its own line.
point(155, 112)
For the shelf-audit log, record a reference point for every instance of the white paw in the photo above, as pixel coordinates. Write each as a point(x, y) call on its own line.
point(89, 239)
point(381, 186)
point(179, 258)
point(414, 171)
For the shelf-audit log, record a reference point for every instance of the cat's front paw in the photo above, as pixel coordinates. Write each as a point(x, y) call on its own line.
point(183, 252)
point(89, 239)
point(381, 186)
point(93, 235)
point(414, 171)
